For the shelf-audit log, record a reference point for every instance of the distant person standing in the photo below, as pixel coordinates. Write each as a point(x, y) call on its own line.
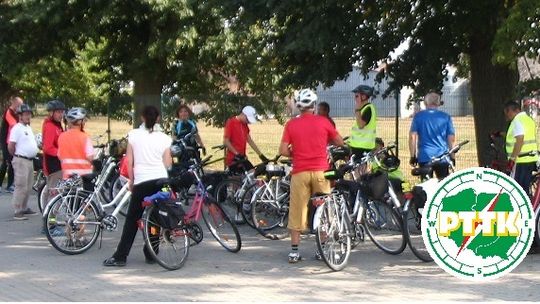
point(9, 119)
point(305, 139)
point(184, 124)
point(432, 133)
point(51, 131)
point(75, 149)
point(23, 147)
point(363, 132)
point(520, 139)
point(323, 109)
point(236, 136)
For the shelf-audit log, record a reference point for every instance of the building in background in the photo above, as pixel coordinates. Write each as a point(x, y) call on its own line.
point(456, 96)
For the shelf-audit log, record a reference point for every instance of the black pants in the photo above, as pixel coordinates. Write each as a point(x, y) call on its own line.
point(524, 176)
point(441, 170)
point(134, 213)
point(6, 166)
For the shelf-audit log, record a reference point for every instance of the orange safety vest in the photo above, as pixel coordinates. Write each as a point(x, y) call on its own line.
point(72, 153)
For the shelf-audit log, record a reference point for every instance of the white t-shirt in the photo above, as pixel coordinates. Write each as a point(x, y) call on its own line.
point(148, 149)
point(25, 142)
point(518, 126)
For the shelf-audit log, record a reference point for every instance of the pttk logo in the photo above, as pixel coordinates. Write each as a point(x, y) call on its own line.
point(479, 224)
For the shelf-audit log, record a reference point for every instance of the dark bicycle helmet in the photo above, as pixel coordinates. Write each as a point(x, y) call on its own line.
point(24, 108)
point(364, 89)
point(54, 105)
point(390, 163)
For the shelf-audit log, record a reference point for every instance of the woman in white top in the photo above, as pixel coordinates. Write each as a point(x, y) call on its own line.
point(148, 156)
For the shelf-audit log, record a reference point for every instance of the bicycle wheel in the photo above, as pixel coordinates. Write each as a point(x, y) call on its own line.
point(332, 236)
point(65, 232)
point(412, 219)
point(270, 210)
point(537, 234)
point(384, 227)
point(245, 203)
point(220, 226)
point(42, 197)
point(168, 247)
point(226, 192)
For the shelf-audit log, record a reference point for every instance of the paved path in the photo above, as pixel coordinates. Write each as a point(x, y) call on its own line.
point(31, 270)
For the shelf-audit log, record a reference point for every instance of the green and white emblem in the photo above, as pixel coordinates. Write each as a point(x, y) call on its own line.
point(478, 224)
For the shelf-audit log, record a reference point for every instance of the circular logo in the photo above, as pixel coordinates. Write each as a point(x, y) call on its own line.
point(478, 224)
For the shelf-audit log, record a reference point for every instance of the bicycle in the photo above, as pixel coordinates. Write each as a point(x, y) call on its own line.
point(205, 206)
point(352, 209)
point(535, 194)
point(416, 198)
point(270, 202)
point(234, 194)
point(76, 216)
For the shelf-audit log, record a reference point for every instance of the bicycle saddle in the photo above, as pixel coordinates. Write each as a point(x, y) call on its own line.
point(421, 171)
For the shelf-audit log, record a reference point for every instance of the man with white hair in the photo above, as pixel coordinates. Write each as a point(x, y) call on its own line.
point(305, 139)
point(432, 133)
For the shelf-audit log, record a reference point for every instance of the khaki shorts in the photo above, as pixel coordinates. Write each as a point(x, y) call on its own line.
point(303, 186)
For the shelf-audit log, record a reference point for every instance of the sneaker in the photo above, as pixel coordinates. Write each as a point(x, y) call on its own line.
point(294, 257)
point(112, 262)
point(29, 211)
point(81, 242)
point(56, 231)
point(10, 189)
point(318, 255)
point(19, 216)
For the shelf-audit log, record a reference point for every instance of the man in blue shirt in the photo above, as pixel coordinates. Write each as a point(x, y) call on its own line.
point(432, 133)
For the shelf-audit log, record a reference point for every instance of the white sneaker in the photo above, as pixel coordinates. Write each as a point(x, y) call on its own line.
point(294, 257)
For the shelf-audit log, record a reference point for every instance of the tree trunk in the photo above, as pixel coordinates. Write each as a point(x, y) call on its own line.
point(491, 86)
point(147, 92)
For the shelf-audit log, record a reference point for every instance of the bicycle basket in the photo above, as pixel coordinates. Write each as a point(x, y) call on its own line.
point(168, 213)
point(275, 170)
point(374, 185)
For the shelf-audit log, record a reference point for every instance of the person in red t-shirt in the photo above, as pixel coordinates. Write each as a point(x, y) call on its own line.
point(305, 139)
point(9, 119)
point(236, 136)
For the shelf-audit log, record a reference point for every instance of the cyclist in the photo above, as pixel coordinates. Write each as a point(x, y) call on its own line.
point(75, 150)
point(304, 140)
point(323, 109)
point(363, 131)
point(183, 125)
point(236, 136)
point(23, 147)
point(148, 157)
point(9, 119)
point(432, 133)
point(520, 138)
point(51, 130)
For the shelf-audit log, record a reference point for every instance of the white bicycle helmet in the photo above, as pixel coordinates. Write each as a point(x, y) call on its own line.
point(75, 114)
point(305, 98)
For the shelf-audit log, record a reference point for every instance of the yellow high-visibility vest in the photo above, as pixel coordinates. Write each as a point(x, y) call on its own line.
point(364, 138)
point(529, 140)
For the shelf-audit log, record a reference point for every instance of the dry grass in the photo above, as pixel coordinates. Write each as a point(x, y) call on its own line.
point(267, 135)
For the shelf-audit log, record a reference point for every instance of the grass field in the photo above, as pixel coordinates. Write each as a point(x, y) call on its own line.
point(267, 135)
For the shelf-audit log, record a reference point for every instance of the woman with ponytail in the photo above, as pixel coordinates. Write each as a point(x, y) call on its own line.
point(148, 157)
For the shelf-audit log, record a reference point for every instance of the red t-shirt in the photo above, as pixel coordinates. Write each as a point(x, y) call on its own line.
point(309, 136)
point(237, 132)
